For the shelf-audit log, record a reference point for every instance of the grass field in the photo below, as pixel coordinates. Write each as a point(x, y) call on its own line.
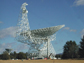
point(42, 61)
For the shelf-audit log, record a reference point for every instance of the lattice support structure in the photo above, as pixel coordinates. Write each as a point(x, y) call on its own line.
point(39, 40)
point(47, 48)
point(23, 25)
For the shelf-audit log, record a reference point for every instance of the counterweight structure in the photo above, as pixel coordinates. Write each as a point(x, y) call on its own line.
point(39, 40)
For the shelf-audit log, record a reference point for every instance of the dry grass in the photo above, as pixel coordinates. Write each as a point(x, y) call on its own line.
point(42, 61)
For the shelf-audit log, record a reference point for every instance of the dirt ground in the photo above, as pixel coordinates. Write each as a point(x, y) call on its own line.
point(41, 61)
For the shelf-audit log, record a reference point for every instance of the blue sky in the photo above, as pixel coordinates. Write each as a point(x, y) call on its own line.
point(42, 14)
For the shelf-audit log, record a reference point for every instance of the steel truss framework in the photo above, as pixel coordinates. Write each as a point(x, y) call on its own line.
point(39, 40)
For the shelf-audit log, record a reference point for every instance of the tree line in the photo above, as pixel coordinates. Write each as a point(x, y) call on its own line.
point(70, 51)
point(13, 55)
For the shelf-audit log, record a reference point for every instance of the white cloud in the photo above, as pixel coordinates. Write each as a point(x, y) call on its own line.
point(78, 2)
point(0, 22)
point(72, 30)
point(82, 33)
point(8, 32)
point(42, 0)
point(3, 46)
point(66, 28)
point(21, 47)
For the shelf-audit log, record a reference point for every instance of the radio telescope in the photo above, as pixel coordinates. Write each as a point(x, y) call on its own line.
point(9, 51)
point(39, 40)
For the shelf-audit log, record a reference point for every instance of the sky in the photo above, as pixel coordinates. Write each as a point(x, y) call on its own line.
point(42, 14)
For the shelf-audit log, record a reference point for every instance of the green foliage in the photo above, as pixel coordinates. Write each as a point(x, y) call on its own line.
point(81, 48)
point(21, 55)
point(0, 56)
point(13, 55)
point(70, 50)
point(58, 56)
point(5, 56)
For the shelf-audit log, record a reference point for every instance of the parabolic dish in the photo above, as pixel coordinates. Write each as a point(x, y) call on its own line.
point(44, 32)
point(8, 50)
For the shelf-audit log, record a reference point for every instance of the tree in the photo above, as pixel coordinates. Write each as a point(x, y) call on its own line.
point(0, 56)
point(70, 50)
point(21, 55)
point(13, 55)
point(5, 56)
point(58, 56)
point(81, 48)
